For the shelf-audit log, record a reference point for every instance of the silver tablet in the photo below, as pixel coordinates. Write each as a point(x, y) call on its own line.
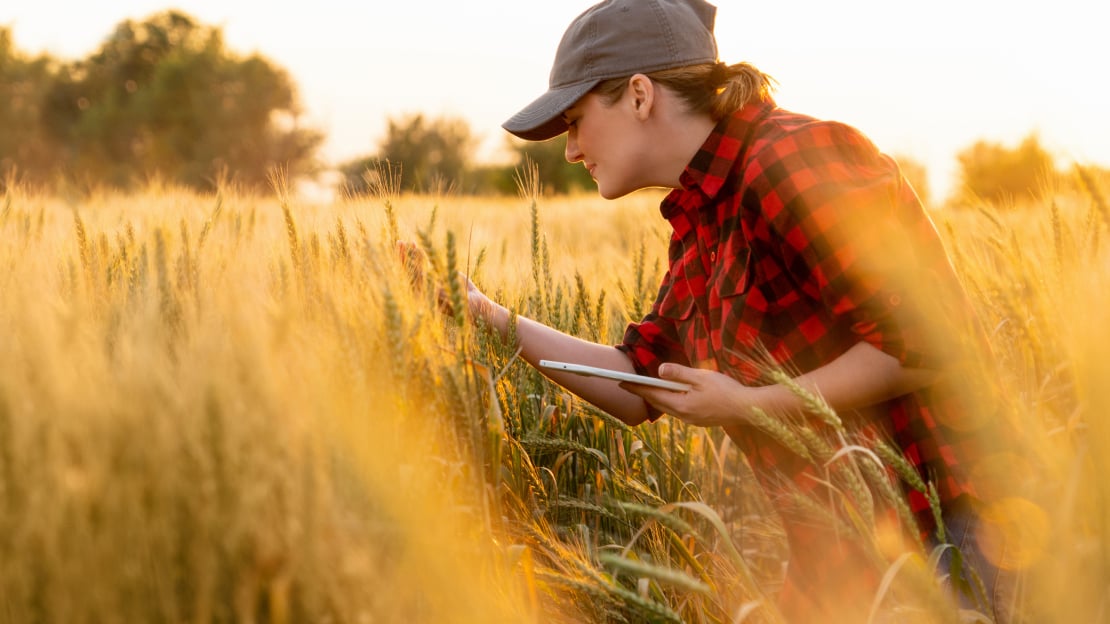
point(593, 371)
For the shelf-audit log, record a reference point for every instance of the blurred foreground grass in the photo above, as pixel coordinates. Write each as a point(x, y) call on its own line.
point(235, 409)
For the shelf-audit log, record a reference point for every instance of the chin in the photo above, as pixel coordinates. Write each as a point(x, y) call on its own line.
point(609, 191)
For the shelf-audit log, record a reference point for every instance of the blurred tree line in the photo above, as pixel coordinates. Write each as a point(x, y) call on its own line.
point(996, 173)
point(433, 155)
point(164, 99)
point(160, 99)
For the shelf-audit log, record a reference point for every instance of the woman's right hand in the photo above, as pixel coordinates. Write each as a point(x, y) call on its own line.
point(413, 260)
point(482, 307)
point(479, 305)
point(415, 263)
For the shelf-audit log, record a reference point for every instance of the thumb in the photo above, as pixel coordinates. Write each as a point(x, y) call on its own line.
point(674, 372)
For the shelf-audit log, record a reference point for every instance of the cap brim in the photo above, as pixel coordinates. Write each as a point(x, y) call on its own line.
point(543, 118)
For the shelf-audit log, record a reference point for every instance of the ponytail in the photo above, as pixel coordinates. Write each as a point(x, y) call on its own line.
point(734, 86)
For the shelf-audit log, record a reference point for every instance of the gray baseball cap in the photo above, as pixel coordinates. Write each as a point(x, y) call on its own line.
point(612, 39)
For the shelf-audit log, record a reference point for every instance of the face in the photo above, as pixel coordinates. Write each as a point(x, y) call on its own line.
point(609, 141)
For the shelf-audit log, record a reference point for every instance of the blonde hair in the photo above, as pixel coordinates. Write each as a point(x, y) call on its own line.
point(716, 89)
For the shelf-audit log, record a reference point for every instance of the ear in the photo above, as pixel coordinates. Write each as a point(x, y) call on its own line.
point(642, 91)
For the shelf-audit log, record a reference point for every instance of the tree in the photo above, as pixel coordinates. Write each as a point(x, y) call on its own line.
point(431, 155)
point(993, 172)
point(164, 98)
point(23, 81)
point(556, 175)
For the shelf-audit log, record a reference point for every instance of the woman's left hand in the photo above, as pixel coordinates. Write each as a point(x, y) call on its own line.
point(715, 399)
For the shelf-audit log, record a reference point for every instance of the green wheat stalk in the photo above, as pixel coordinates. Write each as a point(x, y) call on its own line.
point(811, 402)
point(901, 465)
point(664, 575)
point(454, 283)
point(668, 520)
point(781, 433)
point(566, 502)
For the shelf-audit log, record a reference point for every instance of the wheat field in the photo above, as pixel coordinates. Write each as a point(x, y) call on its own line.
point(235, 408)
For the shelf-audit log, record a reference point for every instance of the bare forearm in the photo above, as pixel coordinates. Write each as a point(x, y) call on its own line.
point(860, 377)
point(540, 342)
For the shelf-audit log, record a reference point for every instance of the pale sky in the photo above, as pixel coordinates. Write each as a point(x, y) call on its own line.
point(924, 79)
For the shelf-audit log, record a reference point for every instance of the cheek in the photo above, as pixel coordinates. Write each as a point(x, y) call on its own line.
point(590, 137)
point(626, 160)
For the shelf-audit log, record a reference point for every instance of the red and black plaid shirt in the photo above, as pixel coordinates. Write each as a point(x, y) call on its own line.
point(798, 236)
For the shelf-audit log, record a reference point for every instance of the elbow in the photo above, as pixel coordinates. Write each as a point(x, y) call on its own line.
point(636, 413)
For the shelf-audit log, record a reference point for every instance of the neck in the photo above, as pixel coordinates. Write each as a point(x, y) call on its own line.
point(678, 135)
point(685, 138)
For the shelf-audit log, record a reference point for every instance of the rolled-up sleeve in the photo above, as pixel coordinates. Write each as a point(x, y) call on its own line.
point(654, 339)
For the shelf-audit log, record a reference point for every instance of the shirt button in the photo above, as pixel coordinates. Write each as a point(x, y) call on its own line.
point(713, 256)
point(895, 300)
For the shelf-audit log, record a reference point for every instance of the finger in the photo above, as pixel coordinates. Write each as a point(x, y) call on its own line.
point(634, 388)
point(412, 259)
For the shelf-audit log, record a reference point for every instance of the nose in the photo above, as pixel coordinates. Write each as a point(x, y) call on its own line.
point(573, 154)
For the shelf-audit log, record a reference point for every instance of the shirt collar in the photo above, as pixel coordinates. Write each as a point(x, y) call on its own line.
point(716, 159)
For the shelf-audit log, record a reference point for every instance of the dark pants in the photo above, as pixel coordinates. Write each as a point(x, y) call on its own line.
point(979, 582)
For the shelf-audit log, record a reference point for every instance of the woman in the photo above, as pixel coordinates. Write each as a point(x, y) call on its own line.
point(794, 239)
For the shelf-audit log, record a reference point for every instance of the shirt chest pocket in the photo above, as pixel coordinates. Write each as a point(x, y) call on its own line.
point(733, 275)
point(760, 281)
point(727, 277)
